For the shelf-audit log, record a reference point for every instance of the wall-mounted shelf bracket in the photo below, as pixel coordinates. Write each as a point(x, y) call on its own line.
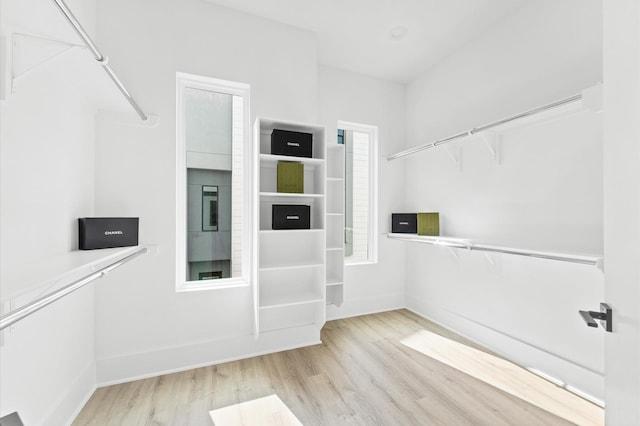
point(454, 253)
point(455, 153)
point(491, 258)
point(24, 53)
point(605, 317)
point(492, 142)
point(494, 262)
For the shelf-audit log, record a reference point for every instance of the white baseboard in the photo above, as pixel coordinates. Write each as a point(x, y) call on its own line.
point(137, 366)
point(579, 379)
point(125, 368)
point(366, 305)
point(130, 367)
point(73, 399)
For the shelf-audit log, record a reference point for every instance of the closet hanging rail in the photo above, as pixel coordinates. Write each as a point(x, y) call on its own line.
point(102, 60)
point(470, 245)
point(485, 127)
point(28, 309)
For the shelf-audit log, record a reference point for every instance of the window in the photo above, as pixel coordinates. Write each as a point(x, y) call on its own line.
point(361, 189)
point(213, 214)
point(209, 208)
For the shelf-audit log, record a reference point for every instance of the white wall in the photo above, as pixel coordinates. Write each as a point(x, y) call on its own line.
point(143, 326)
point(47, 364)
point(546, 193)
point(356, 98)
point(622, 208)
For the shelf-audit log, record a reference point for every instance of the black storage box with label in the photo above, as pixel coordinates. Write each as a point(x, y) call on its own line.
point(291, 216)
point(404, 223)
point(287, 142)
point(107, 232)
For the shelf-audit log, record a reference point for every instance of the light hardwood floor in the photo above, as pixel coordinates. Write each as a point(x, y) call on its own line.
point(364, 373)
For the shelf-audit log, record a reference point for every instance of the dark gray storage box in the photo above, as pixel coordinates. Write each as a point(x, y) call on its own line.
point(107, 232)
point(294, 144)
point(290, 216)
point(404, 223)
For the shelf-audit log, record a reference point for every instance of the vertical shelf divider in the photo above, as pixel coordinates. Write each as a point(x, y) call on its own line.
point(335, 225)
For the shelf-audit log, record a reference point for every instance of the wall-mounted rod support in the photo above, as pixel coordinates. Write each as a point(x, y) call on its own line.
point(28, 309)
point(487, 126)
point(64, 9)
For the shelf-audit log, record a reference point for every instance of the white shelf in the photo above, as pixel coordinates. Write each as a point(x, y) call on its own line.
point(335, 248)
point(586, 259)
point(335, 214)
point(588, 100)
point(284, 264)
point(267, 232)
point(335, 179)
point(437, 240)
point(332, 284)
point(316, 206)
point(291, 300)
point(55, 272)
point(273, 159)
point(291, 267)
point(268, 125)
point(289, 195)
point(289, 316)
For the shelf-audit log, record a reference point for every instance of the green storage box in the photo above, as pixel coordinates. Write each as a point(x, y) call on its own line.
point(429, 224)
point(290, 177)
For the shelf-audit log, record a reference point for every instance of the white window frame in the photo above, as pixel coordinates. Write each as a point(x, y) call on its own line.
point(372, 234)
point(184, 81)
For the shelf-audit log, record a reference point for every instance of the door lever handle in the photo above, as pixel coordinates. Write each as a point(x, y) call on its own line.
point(605, 317)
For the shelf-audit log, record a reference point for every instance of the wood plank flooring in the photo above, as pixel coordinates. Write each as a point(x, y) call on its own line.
point(362, 374)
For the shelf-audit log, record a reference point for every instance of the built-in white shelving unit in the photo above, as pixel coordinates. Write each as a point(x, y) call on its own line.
point(335, 225)
point(290, 289)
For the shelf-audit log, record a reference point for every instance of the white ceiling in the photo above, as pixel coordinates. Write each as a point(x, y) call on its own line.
point(354, 34)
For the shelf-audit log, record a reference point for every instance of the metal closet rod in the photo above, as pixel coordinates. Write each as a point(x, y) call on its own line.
point(28, 309)
point(473, 246)
point(102, 60)
point(486, 127)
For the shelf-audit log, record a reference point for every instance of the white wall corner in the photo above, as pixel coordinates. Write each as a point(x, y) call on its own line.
point(592, 98)
point(71, 402)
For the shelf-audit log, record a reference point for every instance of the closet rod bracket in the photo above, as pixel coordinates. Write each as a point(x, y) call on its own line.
point(455, 153)
point(492, 142)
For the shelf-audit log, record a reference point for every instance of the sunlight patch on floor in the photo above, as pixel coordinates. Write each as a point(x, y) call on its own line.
point(507, 377)
point(267, 411)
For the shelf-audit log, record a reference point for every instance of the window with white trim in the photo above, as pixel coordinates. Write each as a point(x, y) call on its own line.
point(214, 205)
